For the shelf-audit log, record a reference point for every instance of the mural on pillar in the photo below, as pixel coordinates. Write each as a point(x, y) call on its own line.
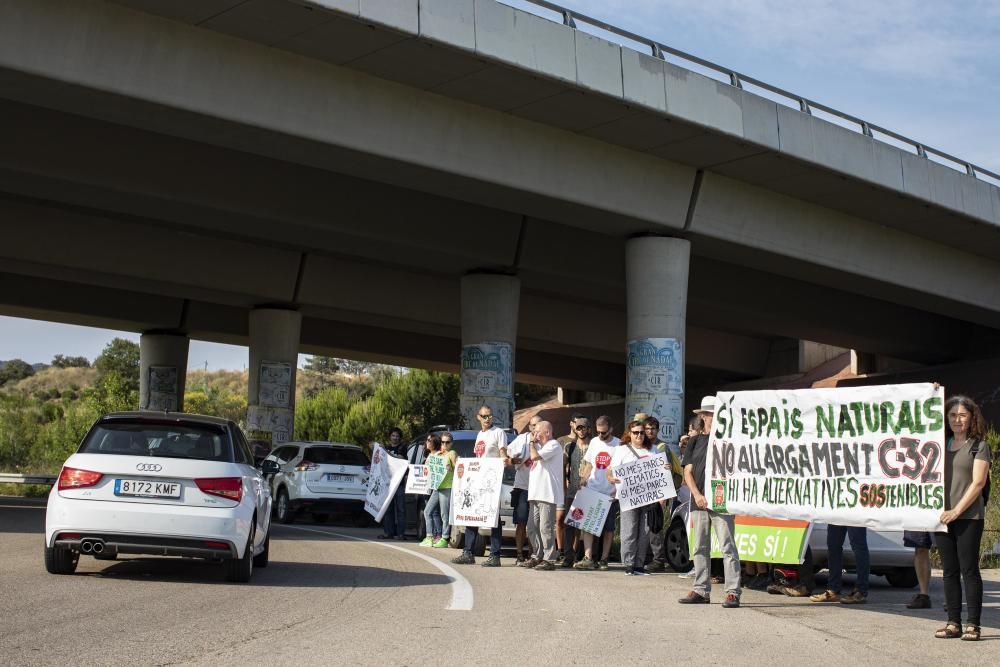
point(655, 368)
point(275, 387)
point(162, 394)
point(488, 378)
point(271, 426)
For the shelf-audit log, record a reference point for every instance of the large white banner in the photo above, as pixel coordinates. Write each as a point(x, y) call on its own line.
point(644, 482)
point(386, 474)
point(855, 456)
point(589, 511)
point(475, 496)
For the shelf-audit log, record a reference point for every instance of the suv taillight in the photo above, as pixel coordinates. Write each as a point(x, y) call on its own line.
point(225, 487)
point(74, 478)
point(303, 466)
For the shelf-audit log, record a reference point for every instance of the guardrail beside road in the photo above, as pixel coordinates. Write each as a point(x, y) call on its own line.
point(6, 478)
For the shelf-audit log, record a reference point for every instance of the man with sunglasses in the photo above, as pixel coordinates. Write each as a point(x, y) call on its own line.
point(491, 442)
point(518, 457)
point(594, 477)
point(576, 451)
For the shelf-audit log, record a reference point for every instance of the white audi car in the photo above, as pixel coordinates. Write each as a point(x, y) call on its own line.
point(165, 484)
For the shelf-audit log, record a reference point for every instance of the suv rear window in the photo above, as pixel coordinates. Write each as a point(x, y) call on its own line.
point(178, 441)
point(336, 455)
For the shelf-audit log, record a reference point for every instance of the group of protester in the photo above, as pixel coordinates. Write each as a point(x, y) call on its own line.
point(549, 473)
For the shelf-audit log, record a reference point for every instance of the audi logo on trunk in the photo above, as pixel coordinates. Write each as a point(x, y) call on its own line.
point(149, 467)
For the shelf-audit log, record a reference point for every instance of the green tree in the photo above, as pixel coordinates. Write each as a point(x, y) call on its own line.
point(120, 357)
point(59, 361)
point(14, 370)
point(320, 365)
point(315, 416)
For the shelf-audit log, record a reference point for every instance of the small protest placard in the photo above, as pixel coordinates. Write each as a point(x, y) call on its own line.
point(437, 467)
point(418, 482)
point(476, 494)
point(644, 482)
point(588, 511)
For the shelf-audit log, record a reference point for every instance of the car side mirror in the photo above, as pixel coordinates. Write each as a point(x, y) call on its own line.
point(269, 467)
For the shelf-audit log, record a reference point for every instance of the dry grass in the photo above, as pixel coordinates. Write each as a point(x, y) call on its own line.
point(60, 379)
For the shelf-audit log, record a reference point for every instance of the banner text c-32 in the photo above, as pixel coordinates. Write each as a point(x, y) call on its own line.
point(854, 456)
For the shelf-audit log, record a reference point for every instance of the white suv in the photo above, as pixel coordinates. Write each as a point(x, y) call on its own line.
point(160, 483)
point(319, 478)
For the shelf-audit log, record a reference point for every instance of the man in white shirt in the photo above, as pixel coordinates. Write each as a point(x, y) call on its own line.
point(491, 442)
point(594, 477)
point(545, 491)
point(518, 457)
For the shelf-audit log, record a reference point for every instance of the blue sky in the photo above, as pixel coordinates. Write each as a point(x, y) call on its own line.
point(927, 70)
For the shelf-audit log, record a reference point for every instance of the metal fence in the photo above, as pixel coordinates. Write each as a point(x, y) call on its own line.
point(737, 79)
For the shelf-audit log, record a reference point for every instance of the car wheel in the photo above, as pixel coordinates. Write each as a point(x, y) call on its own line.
point(283, 508)
point(261, 559)
point(320, 517)
point(60, 561)
point(902, 577)
point(677, 548)
point(238, 570)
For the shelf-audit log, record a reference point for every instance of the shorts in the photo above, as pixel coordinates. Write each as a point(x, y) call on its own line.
point(609, 523)
point(916, 539)
point(519, 502)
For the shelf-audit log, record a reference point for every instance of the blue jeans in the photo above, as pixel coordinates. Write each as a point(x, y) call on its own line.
point(436, 513)
point(394, 520)
point(835, 555)
point(471, 533)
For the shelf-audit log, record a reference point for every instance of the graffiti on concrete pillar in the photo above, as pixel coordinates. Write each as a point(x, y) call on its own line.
point(275, 387)
point(269, 425)
point(162, 389)
point(488, 379)
point(655, 376)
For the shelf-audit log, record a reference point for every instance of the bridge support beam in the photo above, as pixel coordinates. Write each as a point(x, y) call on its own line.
point(490, 304)
point(656, 278)
point(274, 352)
point(162, 371)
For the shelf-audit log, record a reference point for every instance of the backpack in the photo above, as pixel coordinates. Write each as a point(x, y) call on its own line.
point(986, 489)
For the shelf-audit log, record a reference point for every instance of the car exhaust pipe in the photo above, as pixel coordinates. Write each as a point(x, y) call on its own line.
point(98, 547)
point(86, 546)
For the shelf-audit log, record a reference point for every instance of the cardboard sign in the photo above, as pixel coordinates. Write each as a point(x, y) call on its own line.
point(475, 498)
point(589, 511)
point(418, 482)
point(644, 482)
point(386, 474)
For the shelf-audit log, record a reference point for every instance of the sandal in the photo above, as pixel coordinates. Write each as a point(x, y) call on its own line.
point(971, 633)
point(950, 631)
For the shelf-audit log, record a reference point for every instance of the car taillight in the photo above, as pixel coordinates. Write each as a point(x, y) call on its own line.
point(216, 545)
point(74, 478)
point(226, 487)
point(306, 465)
point(69, 536)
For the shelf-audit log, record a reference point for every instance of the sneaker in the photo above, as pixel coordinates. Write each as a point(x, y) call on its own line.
point(686, 575)
point(799, 591)
point(568, 563)
point(694, 598)
point(602, 565)
point(655, 566)
point(585, 564)
point(532, 563)
point(492, 561)
point(441, 544)
point(464, 559)
point(854, 597)
point(520, 562)
point(776, 589)
point(640, 572)
point(544, 566)
point(732, 601)
point(559, 561)
point(718, 580)
point(825, 596)
point(427, 541)
point(919, 601)
point(758, 583)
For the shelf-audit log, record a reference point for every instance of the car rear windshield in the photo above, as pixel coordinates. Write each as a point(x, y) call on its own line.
point(336, 455)
point(178, 441)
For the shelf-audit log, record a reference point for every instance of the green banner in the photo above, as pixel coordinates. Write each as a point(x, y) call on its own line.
point(438, 468)
point(764, 540)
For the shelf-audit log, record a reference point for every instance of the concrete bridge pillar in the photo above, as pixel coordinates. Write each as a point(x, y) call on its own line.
point(162, 371)
point(274, 353)
point(656, 279)
point(490, 305)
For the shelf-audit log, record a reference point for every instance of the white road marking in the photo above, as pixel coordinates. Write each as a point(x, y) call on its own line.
point(462, 597)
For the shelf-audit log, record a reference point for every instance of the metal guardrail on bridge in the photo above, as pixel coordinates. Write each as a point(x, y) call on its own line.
point(8, 478)
point(804, 104)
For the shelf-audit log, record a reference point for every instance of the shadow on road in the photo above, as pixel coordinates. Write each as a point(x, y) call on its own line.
point(285, 574)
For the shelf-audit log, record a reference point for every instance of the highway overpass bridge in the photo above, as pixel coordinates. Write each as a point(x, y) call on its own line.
point(424, 182)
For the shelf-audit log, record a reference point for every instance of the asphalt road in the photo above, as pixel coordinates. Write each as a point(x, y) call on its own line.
point(334, 595)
